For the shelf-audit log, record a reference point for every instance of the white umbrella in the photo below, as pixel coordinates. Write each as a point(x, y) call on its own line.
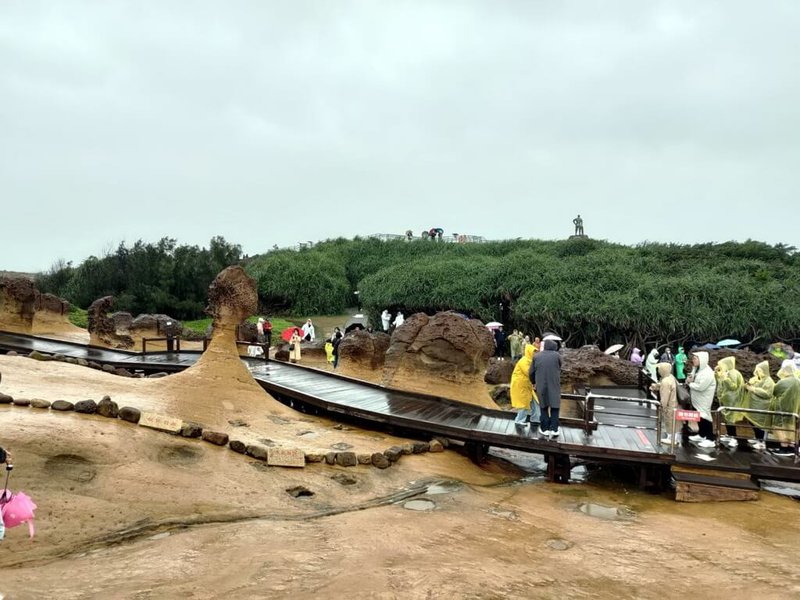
point(614, 348)
point(551, 336)
point(494, 325)
point(729, 342)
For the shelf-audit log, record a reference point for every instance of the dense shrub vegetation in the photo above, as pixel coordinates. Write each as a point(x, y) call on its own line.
point(145, 278)
point(587, 290)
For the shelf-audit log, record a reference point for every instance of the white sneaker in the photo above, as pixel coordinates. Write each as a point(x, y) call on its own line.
point(666, 440)
point(759, 446)
point(556, 433)
point(732, 443)
point(724, 439)
point(704, 443)
point(752, 441)
point(696, 437)
point(544, 433)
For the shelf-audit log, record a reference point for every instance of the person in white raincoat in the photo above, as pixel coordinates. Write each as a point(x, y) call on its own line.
point(650, 364)
point(386, 319)
point(399, 319)
point(308, 331)
point(703, 386)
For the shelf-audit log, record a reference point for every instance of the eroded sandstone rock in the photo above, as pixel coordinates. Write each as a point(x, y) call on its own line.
point(445, 355)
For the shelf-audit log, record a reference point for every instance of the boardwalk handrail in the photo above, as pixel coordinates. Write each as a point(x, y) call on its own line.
point(733, 409)
point(622, 399)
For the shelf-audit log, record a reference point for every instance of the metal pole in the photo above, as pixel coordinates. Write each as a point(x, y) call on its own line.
point(672, 438)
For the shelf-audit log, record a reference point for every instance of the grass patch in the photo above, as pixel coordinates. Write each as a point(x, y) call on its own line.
point(278, 324)
point(78, 317)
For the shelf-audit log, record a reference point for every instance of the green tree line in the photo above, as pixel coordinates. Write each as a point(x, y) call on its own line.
point(160, 277)
point(589, 291)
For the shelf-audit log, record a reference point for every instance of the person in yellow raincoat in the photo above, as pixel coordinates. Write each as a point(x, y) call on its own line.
point(786, 398)
point(523, 398)
point(730, 390)
point(758, 395)
point(329, 352)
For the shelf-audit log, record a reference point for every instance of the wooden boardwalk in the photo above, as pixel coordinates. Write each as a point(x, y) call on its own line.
point(623, 433)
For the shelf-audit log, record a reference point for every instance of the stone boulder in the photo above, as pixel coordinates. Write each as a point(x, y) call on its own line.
point(102, 330)
point(498, 371)
point(363, 354)
point(589, 366)
point(444, 355)
point(18, 298)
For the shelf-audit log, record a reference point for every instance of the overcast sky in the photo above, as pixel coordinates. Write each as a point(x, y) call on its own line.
point(279, 122)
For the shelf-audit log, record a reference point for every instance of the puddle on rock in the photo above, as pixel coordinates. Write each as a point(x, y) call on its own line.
point(783, 488)
point(444, 487)
point(608, 513)
point(419, 505)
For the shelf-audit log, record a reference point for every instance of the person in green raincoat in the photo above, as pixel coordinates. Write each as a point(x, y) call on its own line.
point(680, 365)
point(758, 395)
point(786, 398)
point(730, 388)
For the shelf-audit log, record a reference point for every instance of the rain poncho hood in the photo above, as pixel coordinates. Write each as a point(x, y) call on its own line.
point(521, 386)
point(703, 387)
point(758, 395)
point(730, 387)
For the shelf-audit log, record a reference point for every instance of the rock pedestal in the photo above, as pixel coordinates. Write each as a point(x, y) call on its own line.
point(443, 355)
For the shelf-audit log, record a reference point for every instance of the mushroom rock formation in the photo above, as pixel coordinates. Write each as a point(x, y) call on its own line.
point(444, 355)
point(362, 354)
point(18, 296)
point(589, 366)
point(102, 328)
point(232, 299)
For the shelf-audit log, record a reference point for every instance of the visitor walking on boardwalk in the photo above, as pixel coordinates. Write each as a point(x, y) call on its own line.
point(308, 331)
point(703, 385)
point(730, 390)
point(758, 395)
point(545, 375)
point(680, 365)
point(499, 342)
point(650, 364)
point(515, 345)
point(386, 319)
point(260, 337)
point(294, 346)
point(667, 357)
point(523, 398)
point(336, 340)
point(667, 390)
point(785, 399)
point(636, 357)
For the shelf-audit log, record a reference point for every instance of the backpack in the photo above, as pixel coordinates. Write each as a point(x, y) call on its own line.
point(17, 509)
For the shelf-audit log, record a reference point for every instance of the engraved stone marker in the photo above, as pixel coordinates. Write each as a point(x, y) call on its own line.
point(286, 457)
point(160, 422)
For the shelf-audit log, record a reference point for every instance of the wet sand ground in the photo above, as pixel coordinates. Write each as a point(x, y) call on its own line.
point(127, 512)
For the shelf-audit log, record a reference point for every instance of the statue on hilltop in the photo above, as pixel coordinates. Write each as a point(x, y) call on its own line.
point(578, 222)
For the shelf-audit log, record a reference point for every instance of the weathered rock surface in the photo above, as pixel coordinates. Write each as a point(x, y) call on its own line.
point(102, 329)
point(445, 353)
point(360, 349)
point(62, 405)
point(21, 402)
point(18, 297)
point(380, 460)
point(107, 408)
point(39, 403)
point(346, 459)
point(238, 446)
point(191, 430)
point(498, 371)
point(6, 399)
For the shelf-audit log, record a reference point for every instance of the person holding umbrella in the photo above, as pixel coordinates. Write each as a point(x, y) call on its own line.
point(294, 346)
